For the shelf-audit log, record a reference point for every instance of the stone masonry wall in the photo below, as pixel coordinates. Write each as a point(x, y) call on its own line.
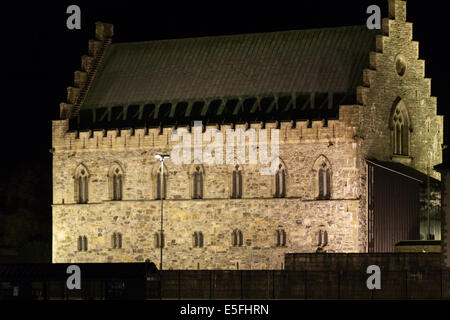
point(258, 215)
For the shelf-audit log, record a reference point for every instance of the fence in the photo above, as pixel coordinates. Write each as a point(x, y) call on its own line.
point(242, 284)
point(304, 285)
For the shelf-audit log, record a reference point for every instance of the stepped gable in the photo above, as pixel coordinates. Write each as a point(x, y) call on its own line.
point(276, 76)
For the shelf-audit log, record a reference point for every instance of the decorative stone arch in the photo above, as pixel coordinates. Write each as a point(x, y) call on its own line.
point(280, 179)
point(156, 178)
point(197, 176)
point(322, 175)
point(401, 127)
point(236, 171)
point(81, 178)
point(116, 179)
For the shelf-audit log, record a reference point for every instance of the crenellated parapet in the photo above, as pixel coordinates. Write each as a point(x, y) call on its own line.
point(327, 131)
point(89, 64)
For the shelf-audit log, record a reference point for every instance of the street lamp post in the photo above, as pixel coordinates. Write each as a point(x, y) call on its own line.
point(161, 158)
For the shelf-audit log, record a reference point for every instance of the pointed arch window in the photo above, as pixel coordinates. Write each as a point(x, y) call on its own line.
point(400, 126)
point(117, 183)
point(280, 182)
point(324, 181)
point(237, 183)
point(197, 183)
point(81, 185)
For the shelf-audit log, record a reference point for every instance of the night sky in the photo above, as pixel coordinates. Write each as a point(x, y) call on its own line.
point(39, 56)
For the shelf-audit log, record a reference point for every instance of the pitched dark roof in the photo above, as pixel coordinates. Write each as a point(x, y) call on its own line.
point(324, 62)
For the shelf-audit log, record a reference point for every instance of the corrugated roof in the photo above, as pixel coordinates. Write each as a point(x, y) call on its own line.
point(318, 60)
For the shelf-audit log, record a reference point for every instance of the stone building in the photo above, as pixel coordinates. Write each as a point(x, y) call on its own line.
point(340, 97)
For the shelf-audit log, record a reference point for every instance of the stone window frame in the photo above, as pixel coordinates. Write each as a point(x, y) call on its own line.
point(156, 177)
point(282, 179)
point(321, 166)
point(116, 186)
point(82, 243)
point(197, 192)
point(400, 136)
point(237, 238)
point(280, 238)
point(116, 240)
point(239, 187)
point(81, 179)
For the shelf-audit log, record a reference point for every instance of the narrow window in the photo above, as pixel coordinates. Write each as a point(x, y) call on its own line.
point(119, 240)
point(82, 185)
point(281, 238)
point(234, 238)
point(157, 240)
point(320, 238)
point(280, 182)
point(80, 243)
point(117, 179)
point(325, 238)
point(200, 239)
point(198, 184)
point(237, 183)
point(240, 238)
point(114, 240)
point(324, 182)
point(195, 239)
point(85, 243)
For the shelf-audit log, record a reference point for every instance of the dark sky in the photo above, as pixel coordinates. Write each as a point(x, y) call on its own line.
point(40, 54)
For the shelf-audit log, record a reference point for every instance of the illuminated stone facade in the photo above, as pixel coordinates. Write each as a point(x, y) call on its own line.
point(363, 130)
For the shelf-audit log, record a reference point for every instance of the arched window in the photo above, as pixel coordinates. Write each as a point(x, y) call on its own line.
point(117, 240)
point(237, 183)
point(400, 126)
point(81, 184)
point(159, 240)
point(280, 182)
point(281, 238)
point(237, 238)
point(82, 243)
point(322, 178)
point(197, 183)
point(324, 181)
point(116, 177)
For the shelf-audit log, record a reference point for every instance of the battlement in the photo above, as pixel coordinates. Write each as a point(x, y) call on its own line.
point(289, 132)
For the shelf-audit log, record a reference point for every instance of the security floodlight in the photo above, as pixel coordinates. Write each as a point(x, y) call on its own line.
point(161, 157)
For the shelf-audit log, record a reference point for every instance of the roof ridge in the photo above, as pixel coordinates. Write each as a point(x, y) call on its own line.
point(250, 34)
